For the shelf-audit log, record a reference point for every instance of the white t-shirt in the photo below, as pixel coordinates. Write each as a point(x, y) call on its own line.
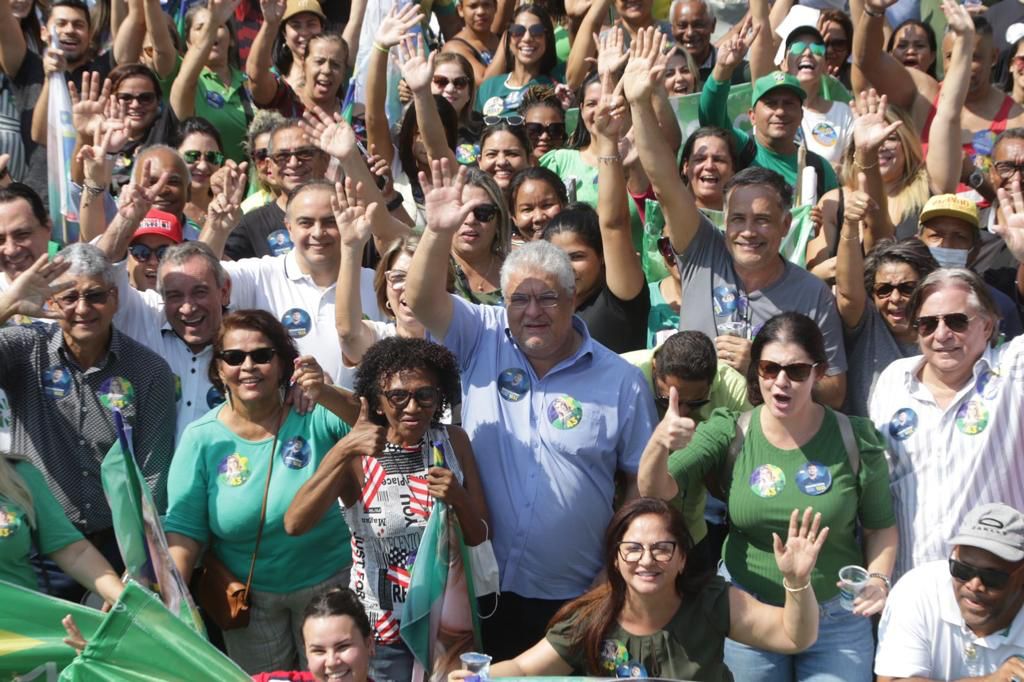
point(922, 633)
point(828, 134)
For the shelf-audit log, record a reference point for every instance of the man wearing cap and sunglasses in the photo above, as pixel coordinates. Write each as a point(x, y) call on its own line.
point(961, 617)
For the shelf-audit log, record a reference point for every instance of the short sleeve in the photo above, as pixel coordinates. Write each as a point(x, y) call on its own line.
point(330, 424)
point(468, 324)
point(55, 531)
point(832, 330)
point(875, 503)
point(187, 504)
point(16, 344)
point(905, 634)
point(714, 603)
point(560, 638)
point(639, 424)
point(710, 444)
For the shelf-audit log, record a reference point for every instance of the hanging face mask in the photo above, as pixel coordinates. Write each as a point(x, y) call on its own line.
point(950, 258)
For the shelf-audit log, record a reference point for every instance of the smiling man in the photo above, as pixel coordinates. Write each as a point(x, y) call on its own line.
point(961, 618)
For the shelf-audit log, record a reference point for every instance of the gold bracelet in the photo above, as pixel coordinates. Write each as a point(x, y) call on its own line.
point(796, 589)
point(857, 164)
point(378, 46)
point(609, 159)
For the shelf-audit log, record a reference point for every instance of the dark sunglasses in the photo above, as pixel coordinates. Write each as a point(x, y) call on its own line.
point(885, 290)
point(692, 405)
point(95, 297)
point(836, 44)
point(142, 253)
point(955, 322)
point(144, 98)
point(518, 30)
point(556, 131)
point(990, 577)
point(798, 371)
point(485, 213)
point(235, 357)
point(303, 154)
point(425, 397)
point(514, 120)
point(261, 154)
point(460, 82)
point(193, 156)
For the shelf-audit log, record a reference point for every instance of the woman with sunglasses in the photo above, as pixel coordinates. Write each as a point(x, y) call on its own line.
point(792, 452)
point(255, 446)
point(536, 195)
point(453, 80)
point(659, 616)
point(482, 242)
point(203, 151)
point(476, 42)
point(404, 386)
point(544, 120)
point(837, 30)
point(504, 151)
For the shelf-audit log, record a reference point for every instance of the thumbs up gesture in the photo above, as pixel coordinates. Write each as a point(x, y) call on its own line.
point(674, 431)
point(366, 437)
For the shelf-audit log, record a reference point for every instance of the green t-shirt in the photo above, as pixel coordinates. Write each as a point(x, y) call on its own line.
point(215, 488)
point(227, 108)
point(495, 98)
point(663, 319)
point(54, 531)
point(690, 647)
point(769, 483)
point(568, 163)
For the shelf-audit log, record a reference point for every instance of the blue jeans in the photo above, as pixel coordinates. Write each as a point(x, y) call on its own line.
point(392, 663)
point(844, 652)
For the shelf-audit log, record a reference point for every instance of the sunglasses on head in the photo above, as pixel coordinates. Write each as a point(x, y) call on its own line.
point(303, 154)
point(94, 297)
point(235, 357)
point(518, 30)
point(144, 98)
point(425, 397)
point(514, 120)
point(142, 253)
point(460, 82)
point(955, 322)
point(799, 46)
point(990, 577)
point(885, 290)
point(261, 154)
point(798, 371)
point(485, 213)
point(212, 157)
point(556, 131)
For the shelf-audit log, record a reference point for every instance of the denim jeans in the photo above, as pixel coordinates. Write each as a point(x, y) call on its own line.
point(392, 663)
point(844, 652)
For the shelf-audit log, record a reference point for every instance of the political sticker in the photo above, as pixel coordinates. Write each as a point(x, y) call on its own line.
point(295, 452)
point(493, 106)
point(467, 153)
point(982, 142)
point(633, 670)
point(297, 322)
point(613, 654)
point(10, 520)
point(233, 470)
point(972, 417)
point(117, 392)
point(814, 478)
point(280, 242)
point(215, 99)
point(903, 423)
point(565, 412)
point(988, 384)
point(724, 301)
point(56, 382)
point(825, 134)
point(177, 388)
point(767, 480)
point(513, 384)
point(214, 397)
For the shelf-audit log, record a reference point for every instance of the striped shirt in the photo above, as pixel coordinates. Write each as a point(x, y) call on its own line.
point(944, 462)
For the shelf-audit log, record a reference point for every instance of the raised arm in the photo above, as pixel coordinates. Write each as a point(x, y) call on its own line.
point(224, 212)
point(714, 96)
point(13, 47)
point(762, 49)
point(97, 170)
point(354, 27)
point(584, 47)
point(673, 432)
point(417, 70)
point(851, 296)
point(354, 227)
point(881, 69)
point(134, 202)
point(183, 91)
point(129, 35)
point(29, 292)
point(870, 131)
point(945, 153)
point(393, 28)
point(165, 55)
point(262, 83)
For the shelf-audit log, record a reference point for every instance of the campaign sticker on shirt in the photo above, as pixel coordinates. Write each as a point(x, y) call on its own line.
point(296, 321)
point(972, 417)
point(724, 301)
point(494, 106)
point(613, 654)
point(56, 382)
point(117, 392)
point(467, 154)
point(633, 670)
point(565, 412)
point(177, 388)
point(233, 470)
point(215, 100)
point(10, 521)
point(982, 142)
point(903, 423)
point(825, 134)
point(280, 242)
point(295, 452)
point(513, 384)
point(814, 478)
point(767, 480)
point(214, 397)
point(988, 384)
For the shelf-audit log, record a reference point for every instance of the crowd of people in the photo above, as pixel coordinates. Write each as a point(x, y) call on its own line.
point(679, 308)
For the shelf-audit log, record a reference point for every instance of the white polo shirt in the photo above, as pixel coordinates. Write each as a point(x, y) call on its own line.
point(922, 633)
point(276, 284)
point(945, 462)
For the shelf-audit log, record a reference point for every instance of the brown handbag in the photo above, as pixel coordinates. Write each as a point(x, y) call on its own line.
point(224, 598)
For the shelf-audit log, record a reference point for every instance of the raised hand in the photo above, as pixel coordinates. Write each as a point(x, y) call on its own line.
point(611, 52)
point(225, 209)
point(54, 60)
point(30, 290)
point(88, 106)
point(308, 376)
point(5, 176)
point(273, 10)
point(75, 640)
point(417, 68)
point(331, 134)
point(796, 558)
point(221, 11)
point(114, 119)
point(443, 197)
point(731, 52)
point(869, 127)
point(366, 437)
point(96, 166)
point(645, 68)
point(858, 202)
point(351, 213)
point(610, 116)
point(381, 169)
point(137, 197)
point(1011, 212)
point(396, 25)
point(878, 6)
point(674, 431)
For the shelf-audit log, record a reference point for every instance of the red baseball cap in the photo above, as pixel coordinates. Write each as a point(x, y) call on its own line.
point(160, 223)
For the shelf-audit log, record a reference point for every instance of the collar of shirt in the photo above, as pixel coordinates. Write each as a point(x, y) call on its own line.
point(56, 346)
point(214, 83)
point(293, 272)
point(918, 391)
point(949, 611)
point(586, 348)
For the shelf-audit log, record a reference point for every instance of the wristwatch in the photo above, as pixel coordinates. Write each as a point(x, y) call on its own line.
point(884, 578)
point(976, 179)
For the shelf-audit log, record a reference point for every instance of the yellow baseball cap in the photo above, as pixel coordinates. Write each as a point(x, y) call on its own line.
point(299, 6)
point(950, 206)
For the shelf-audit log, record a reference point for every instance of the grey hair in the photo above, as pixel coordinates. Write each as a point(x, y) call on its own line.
point(88, 261)
point(263, 122)
point(283, 124)
point(138, 164)
point(707, 8)
point(978, 296)
point(179, 254)
point(539, 256)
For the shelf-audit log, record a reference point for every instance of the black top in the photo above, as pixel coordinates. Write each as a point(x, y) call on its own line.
point(619, 325)
point(261, 232)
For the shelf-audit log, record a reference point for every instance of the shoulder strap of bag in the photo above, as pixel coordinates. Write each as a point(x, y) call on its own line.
point(725, 478)
point(849, 441)
point(263, 505)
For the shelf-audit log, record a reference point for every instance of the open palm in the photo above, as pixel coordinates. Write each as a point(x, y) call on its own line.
point(1011, 227)
point(796, 558)
point(443, 197)
point(416, 67)
point(642, 72)
point(351, 213)
point(869, 127)
point(30, 290)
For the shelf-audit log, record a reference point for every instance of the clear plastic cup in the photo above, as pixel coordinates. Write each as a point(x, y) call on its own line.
point(852, 580)
point(476, 663)
point(733, 328)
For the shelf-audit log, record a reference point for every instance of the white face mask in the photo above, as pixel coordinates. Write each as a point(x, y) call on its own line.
point(949, 258)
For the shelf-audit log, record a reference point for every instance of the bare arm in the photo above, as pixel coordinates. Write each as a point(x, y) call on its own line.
point(673, 433)
point(479, 70)
point(831, 390)
point(355, 335)
point(503, 16)
point(417, 70)
point(762, 49)
point(183, 91)
point(880, 68)
point(129, 35)
point(471, 507)
point(498, 65)
point(584, 47)
point(540, 659)
point(257, 67)
point(851, 297)
point(353, 29)
point(880, 557)
point(164, 53)
point(870, 131)
point(89, 568)
point(13, 47)
point(184, 552)
point(945, 153)
point(39, 114)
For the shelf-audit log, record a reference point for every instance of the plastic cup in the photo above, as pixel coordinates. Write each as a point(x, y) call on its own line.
point(733, 328)
point(478, 664)
point(852, 580)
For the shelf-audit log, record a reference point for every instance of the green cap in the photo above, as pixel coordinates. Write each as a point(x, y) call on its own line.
point(776, 79)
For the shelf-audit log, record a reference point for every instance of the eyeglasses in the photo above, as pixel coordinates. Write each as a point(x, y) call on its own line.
point(518, 30)
point(143, 253)
point(303, 154)
point(556, 131)
point(990, 577)
point(692, 405)
point(521, 301)
point(514, 120)
point(485, 213)
point(955, 322)
point(798, 371)
point(261, 154)
point(1007, 169)
point(837, 44)
point(632, 552)
point(235, 356)
point(799, 46)
point(143, 98)
point(885, 290)
point(425, 397)
point(460, 82)
point(396, 278)
point(95, 297)
point(212, 157)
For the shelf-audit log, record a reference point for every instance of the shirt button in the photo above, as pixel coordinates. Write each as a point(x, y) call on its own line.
point(85, 473)
point(193, 370)
point(188, 403)
point(88, 506)
point(81, 442)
